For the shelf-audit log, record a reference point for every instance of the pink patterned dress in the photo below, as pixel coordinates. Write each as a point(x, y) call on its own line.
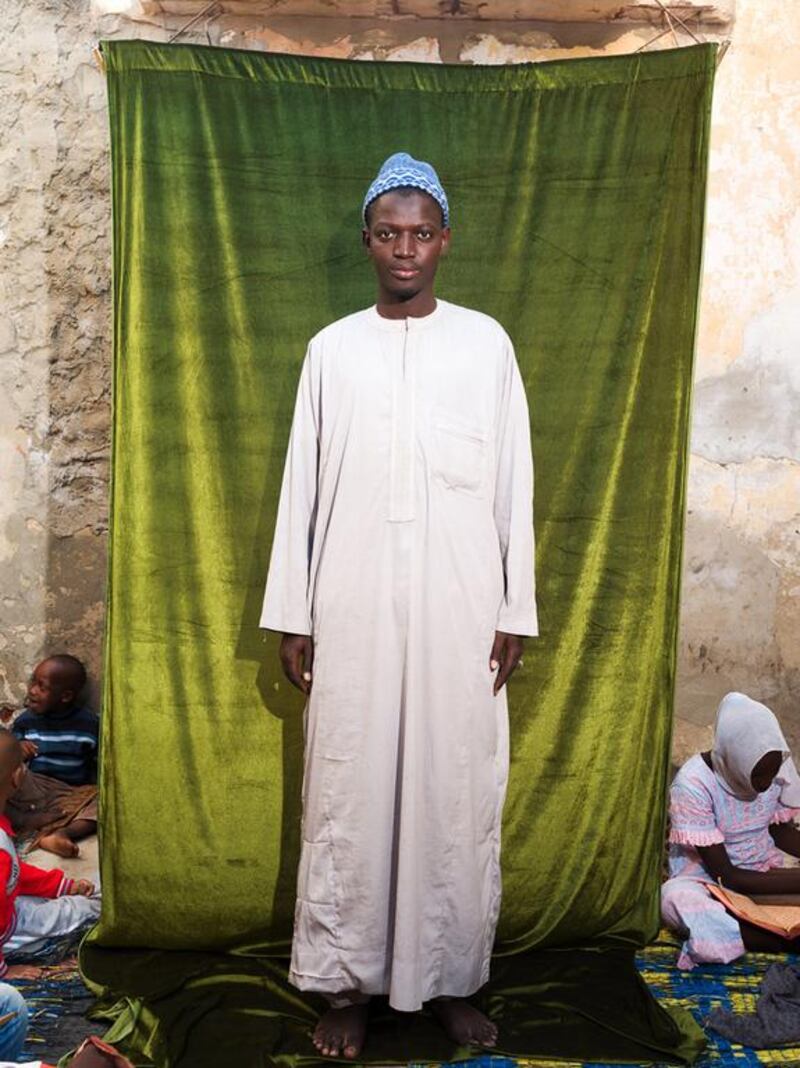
point(703, 813)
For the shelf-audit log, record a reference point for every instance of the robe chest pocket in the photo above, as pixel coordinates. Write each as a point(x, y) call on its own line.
point(459, 451)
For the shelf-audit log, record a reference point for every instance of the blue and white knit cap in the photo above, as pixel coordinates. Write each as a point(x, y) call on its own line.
point(403, 170)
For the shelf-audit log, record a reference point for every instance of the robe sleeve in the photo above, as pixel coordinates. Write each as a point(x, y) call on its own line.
point(286, 599)
point(513, 505)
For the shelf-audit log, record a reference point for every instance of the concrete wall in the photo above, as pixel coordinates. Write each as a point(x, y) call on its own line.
point(54, 339)
point(741, 601)
point(740, 625)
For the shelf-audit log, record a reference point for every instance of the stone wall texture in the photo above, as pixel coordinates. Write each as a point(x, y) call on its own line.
point(740, 621)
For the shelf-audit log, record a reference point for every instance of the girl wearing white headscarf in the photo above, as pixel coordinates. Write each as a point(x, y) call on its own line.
point(732, 813)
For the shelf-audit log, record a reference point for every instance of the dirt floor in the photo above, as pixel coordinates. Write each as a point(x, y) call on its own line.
point(85, 866)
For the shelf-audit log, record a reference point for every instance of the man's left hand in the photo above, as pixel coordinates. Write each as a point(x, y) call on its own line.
point(506, 655)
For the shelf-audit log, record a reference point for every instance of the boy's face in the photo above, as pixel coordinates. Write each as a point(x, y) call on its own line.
point(405, 239)
point(48, 689)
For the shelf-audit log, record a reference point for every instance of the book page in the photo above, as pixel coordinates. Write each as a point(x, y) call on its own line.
point(782, 919)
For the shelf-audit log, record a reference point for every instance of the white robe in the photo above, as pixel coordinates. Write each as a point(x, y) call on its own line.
point(404, 539)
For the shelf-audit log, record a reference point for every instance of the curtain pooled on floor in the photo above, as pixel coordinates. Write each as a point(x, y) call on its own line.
point(577, 192)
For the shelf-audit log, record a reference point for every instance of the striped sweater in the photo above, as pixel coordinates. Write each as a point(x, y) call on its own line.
point(66, 743)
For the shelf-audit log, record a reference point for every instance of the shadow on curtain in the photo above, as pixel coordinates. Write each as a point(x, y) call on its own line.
point(577, 192)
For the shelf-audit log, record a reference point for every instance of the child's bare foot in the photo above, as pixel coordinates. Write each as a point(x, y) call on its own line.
point(60, 844)
point(462, 1022)
point(341, 1032)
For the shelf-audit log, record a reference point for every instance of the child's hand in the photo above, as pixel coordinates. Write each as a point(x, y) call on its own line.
point(82, 887)
point(29, 750)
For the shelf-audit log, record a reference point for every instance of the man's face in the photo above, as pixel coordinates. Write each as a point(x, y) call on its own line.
point(405, 239)
point(48, 690)
point(763, 774)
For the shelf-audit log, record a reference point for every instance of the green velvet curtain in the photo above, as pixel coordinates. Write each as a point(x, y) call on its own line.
point(577, 192)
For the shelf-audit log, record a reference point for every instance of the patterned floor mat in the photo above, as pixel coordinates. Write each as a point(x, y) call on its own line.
point(732, 986)
point(58, 1002)
point(57, 1006)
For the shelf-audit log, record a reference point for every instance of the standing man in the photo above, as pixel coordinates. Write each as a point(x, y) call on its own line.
point(402, 581)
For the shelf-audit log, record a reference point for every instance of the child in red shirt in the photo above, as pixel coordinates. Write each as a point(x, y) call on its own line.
point(35, 904)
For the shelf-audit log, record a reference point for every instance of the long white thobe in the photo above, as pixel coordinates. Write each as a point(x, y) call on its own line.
point(404, 539)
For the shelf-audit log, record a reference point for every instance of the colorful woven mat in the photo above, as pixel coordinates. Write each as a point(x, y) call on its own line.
point(58, 1002)
point(732, 986)
point(57, 1006)
point(51, 950)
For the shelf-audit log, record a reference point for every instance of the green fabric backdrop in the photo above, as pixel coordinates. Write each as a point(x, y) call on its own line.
point(577, 192)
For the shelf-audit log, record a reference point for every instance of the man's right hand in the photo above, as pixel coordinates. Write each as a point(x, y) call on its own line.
point(29, 750)
point(297, 656)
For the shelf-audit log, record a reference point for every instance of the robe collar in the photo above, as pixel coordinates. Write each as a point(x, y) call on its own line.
point(412, 323)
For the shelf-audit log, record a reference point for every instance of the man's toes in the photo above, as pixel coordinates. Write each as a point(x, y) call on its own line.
point(487, 1033)
point(321, 1040)
point(332, 1046)
point(340, 1032)
point(489, 1037)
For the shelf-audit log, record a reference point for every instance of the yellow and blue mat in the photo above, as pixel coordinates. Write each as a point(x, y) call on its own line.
point(59, 1002)
point(732, 986)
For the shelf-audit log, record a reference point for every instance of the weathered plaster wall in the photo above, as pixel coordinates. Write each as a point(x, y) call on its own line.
point(741, 597)
point(54, 336)
point(741, 604)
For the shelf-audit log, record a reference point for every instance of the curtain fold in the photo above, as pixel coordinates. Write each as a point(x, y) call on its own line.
point(577, 192)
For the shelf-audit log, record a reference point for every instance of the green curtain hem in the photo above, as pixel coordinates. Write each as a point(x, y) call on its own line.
point(182, 1009)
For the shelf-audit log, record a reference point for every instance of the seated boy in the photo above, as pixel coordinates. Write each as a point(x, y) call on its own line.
point(57, 799)
point(35, 905)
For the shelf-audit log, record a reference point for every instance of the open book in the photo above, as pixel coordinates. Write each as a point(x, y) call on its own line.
point(777, 913)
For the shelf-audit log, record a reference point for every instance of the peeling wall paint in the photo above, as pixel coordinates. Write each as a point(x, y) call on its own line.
point(54, 340)
point(740, 621)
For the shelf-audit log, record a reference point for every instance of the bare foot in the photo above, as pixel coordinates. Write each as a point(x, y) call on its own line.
point(341, 1032)
point(464, 1023)
point(60, 844)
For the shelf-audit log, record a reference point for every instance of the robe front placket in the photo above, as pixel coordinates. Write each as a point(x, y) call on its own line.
point(401, 470)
